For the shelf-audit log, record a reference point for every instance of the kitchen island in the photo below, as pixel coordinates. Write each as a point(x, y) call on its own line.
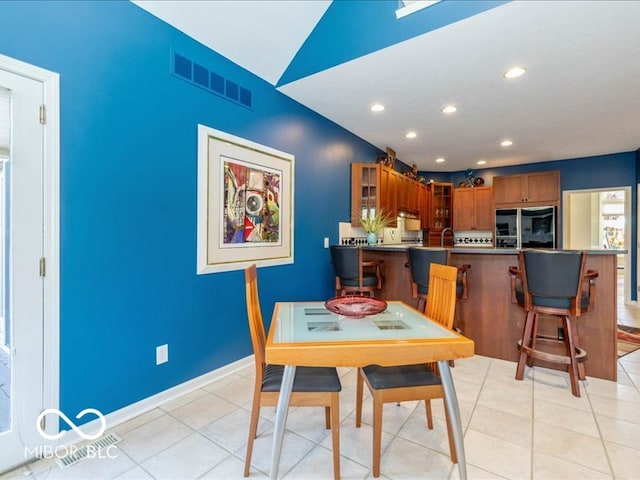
point(495, 324)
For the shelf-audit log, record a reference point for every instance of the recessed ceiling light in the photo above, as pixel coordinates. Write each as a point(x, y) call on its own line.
point(411, 135)
point(439, 160)
point(450, 109)
point(481, 162)
point(514, 72)
point(377, 107)
point(506, 143)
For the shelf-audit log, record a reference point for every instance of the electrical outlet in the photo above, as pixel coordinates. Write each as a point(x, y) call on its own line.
point(162, 354)
point(326, 242)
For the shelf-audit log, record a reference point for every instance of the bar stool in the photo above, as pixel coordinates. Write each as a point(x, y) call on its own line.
point(353, 274)
point(551, 283)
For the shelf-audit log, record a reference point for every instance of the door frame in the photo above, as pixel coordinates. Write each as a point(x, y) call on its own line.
point(627, 231)
point(51, 227)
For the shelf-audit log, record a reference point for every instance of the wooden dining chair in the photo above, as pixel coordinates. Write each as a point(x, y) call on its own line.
point(312, 386)
point(411, 382)
point(418, 262)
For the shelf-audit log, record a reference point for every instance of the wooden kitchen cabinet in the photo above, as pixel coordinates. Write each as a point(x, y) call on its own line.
point(440, 214)
point(473, 208)
point(373, 189)
point(529, 189)
point(408, 194)
point(424, 198)
point(441, 205)
point(413, 204)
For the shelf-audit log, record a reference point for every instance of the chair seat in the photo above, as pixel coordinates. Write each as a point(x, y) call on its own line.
point(401, 376)
point(307, 379)
point(553, 302)
point(368, 280)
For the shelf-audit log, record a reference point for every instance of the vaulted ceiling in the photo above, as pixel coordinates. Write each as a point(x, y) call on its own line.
point(579, 96)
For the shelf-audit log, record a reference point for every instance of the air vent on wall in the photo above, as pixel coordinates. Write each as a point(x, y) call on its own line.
point(210, 81)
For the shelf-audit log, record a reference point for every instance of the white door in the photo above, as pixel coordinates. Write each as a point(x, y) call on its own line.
point(21, 282)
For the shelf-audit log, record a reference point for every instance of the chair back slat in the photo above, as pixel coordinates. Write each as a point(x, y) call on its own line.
point(441, 304)
point(254, 314)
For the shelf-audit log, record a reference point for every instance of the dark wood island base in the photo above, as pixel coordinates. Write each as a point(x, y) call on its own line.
point(495, 324)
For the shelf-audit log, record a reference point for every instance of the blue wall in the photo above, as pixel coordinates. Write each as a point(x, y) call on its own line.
point(128, 198)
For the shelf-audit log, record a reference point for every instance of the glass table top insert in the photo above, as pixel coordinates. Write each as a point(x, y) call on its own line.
point(301, 322)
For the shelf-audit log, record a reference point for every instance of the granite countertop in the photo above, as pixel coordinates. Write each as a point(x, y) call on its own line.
point(480, 250)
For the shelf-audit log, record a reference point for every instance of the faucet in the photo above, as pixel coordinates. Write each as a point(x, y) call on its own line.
point(442, 235)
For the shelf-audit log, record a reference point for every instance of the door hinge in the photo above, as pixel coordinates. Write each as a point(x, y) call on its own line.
point(42, 115)
point(43, 267)
point(43, 423)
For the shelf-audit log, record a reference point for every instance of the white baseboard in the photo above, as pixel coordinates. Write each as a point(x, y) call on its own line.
point(118, 417)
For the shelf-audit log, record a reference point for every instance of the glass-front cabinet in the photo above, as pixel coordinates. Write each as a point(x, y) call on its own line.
point(441, 205)
point(440, 215)
point(373, 190)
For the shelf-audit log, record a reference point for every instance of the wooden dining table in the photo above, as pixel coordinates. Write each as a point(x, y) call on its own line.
point(307, 334)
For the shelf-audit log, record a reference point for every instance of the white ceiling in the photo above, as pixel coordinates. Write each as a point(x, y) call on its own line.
point(580, 96)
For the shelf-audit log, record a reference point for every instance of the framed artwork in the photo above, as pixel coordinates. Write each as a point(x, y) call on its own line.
point(245, 203)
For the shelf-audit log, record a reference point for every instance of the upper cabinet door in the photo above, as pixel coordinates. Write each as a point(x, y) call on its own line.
point(463, 208)
point(543, 187)
point(484, 208)
point(528, 189)
point(473, 209)
point(507, 189)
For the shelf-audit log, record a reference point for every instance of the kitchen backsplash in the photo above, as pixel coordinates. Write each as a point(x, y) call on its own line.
point(473, 238)
point(390, 236)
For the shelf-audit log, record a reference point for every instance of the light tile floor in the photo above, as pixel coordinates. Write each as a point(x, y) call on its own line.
point(532, 429)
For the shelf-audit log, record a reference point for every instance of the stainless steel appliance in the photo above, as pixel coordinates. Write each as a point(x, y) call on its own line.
point(531, 227)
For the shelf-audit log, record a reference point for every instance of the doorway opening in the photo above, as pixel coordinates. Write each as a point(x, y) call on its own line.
point(596, 219)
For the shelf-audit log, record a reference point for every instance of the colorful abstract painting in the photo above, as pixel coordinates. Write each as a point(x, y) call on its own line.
point(245, 203)
point(251, 204)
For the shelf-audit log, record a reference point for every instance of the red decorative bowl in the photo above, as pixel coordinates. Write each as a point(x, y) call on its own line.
point(355, 306)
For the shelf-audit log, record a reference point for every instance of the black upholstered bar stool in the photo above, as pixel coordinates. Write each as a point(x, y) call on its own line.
point(419, 260)
point(552, 284)
point(354, 274)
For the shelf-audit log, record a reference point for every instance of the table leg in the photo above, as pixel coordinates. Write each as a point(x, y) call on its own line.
point(281, 418)
point(451, 402)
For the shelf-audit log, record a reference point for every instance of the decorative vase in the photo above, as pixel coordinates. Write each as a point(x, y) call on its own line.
point(372, 238)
